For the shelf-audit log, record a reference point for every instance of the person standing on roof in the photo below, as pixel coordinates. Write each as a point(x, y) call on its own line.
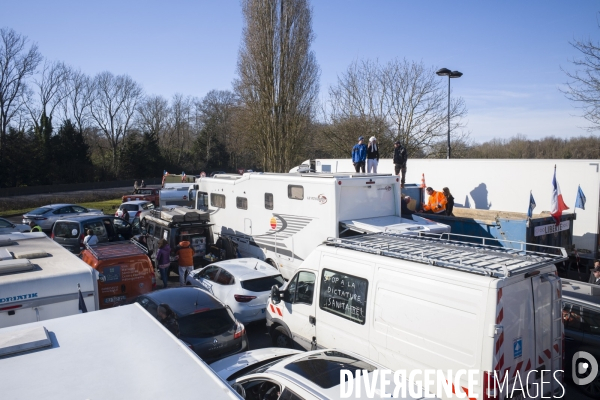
point(436, 204)
point(90, 239)
point(185, 255)
point(163, 260)
point(34, 227)
point(449, 201)
point(400, 158)
point(359, 155)
point(372, 155)
point(142, 185)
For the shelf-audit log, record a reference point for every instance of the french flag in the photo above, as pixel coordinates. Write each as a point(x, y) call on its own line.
point(558, 205)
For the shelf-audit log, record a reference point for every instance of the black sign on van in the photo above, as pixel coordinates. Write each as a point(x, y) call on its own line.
point(344, 295)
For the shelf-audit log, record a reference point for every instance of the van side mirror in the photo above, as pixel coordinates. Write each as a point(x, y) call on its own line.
point(275, 295)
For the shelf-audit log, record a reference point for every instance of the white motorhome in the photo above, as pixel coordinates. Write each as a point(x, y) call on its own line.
point(414, 303)
point(119, 353)
point(281, 218)
point(41, 280)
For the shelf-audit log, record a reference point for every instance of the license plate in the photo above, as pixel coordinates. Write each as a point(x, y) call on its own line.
point(114, 299)
point(263, 310)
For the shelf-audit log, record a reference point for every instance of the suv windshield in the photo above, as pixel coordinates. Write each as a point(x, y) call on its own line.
point(129, 207)
point(40, 211)
point(206, 324)
point(262, 284)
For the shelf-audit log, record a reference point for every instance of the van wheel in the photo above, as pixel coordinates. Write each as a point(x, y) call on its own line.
point(272, 263)
point(280, 338)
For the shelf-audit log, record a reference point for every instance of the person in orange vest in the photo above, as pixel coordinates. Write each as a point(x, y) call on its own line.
point(185, 254)
point(436, 204)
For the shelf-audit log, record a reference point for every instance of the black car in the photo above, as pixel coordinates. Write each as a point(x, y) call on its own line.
point(205, 324)
point(581, 319)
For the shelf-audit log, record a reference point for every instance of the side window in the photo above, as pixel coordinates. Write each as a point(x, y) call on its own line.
point(151, 229)
point(287, 394)
point(97, 227)
point(241, 203)
point(5, 224)
point(78, 209)
point(217, 200)
point(209, 273)
point(224, 278)
point(202, 200)
point(591, 321)
point(296, 192)
point(572, 316)
point(344, 295)
point(269, 201)
point(305, 287)
point(290, 291)
point(165, 234)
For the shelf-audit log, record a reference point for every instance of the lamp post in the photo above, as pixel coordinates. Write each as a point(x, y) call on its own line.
point(449, 74)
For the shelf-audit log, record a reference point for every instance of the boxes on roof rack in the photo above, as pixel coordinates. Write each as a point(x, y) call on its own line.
point(180, 214)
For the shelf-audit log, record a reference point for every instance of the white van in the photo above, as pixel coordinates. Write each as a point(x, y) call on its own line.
point(40, 280)
point(417, 303)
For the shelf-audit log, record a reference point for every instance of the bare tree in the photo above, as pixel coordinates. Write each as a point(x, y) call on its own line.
point(584, 87)
point(278, 78)
point(17, 63)
point(78, 95)
point(180, 130)
point(112, 108)
point(153, 115)
point(401, 100)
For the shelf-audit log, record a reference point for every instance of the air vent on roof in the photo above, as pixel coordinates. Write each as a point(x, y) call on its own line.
point(10, 266)
point(32, 255)
point(6, 242)
point(20, 341)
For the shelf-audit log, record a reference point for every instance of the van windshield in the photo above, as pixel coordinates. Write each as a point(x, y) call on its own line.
point(206, 324)
point(262, 284)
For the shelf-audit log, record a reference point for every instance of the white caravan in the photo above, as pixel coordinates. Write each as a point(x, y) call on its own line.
point(412, 303)
point(40, 280)
point(281, 218)
point(118, 353)
point(175, 194)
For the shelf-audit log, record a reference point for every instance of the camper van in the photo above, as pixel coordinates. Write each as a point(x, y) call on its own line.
point(416, 303)
point(281, 218)
point(40, 280)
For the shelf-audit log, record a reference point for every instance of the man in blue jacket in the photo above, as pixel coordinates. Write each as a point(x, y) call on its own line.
point(359, 155)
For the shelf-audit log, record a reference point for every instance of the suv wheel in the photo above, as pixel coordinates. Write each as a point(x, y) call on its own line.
point(280, 338)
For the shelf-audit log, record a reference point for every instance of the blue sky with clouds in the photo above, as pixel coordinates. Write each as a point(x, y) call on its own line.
point(510, 52)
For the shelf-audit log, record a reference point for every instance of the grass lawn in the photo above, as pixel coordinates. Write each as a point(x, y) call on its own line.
point(107, 206)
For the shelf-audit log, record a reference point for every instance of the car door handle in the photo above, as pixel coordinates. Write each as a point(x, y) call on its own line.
point(312, 320)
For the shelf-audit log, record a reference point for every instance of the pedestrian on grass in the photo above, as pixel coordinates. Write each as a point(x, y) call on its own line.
point(359, 155)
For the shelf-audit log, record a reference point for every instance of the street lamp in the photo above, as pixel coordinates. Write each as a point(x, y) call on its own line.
point(449, 74)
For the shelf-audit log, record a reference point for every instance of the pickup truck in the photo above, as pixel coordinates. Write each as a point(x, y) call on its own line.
point(148, 194)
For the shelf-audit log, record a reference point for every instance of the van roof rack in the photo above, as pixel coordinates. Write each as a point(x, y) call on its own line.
point(442, 251)
point(105, 251)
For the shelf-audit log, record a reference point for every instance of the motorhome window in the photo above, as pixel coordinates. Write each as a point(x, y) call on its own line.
point(241, 203)
point(296, 192)
point(344, 295)
point(305, 288)
point(66, 229)
point(217, 200)
point(591, 321)
point(269, 201)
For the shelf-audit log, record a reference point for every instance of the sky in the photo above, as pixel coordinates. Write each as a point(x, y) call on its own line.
point(510, 52)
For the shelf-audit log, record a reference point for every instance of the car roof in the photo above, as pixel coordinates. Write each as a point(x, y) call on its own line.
point(185, 300)
point(136, 202)
point(83, 217)
point(56, 205)
point(236, 362)
point(247, 268)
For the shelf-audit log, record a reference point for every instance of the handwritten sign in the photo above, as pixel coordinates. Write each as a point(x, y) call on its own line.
point(344, 295)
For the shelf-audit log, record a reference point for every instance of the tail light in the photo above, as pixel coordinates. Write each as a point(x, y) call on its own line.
point(52, 235)
point(81, 237)
point(489, 386)
point(243, 299)
point(239, 331)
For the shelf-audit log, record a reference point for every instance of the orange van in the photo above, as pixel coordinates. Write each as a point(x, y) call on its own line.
point(126, 271)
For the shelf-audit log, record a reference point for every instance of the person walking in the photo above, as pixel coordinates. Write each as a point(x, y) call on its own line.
point(142, 185)
point(163, 260)
point(168, 318)
point(400, 158)
point(449, 201)
point(34, 227)
point(372, 155)
point(185, 255)
point(90, 239)
point(436, 203)
point(359, 155)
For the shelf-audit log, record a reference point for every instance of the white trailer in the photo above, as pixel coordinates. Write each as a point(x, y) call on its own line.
point(118, 353)
point(505, 185)
point(281, 218)
point(40, 280)
point(175, 194)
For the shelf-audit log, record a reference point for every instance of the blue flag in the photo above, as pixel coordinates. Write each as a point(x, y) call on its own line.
point(531, 205)
point(580, 202)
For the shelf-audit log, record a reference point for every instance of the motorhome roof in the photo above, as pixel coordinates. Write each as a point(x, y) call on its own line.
point(300, 177)
point(114, 353)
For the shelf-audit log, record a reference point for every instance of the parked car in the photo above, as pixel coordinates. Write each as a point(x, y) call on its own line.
point(260, 374)
point(46, 216)
point(581, 318)
point(135, 209)
point(8, 227)
point(148, 194)
point(70, 232)
point(244, 284)
point(206, 325)
point(125, 268)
